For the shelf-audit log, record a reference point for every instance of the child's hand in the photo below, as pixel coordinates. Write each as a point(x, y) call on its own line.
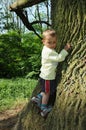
point(67, 47)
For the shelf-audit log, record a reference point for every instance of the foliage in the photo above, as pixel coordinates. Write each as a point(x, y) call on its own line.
point(15, 90)
point(19, 54)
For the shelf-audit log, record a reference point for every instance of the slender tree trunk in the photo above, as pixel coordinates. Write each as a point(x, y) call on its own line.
point(69, 111)
point(47, 8)
point(38, 15)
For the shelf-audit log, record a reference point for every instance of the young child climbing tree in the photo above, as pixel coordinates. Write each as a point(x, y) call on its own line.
point(49, 61)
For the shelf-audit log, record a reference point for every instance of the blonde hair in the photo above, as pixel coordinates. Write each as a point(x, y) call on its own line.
point(49, 32)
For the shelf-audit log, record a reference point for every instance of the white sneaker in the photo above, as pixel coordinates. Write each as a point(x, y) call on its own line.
point(37, 101)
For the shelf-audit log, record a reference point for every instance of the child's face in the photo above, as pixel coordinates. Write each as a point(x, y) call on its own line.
point(50, 42)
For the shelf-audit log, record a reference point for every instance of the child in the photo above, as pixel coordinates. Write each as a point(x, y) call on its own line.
point(50, 59)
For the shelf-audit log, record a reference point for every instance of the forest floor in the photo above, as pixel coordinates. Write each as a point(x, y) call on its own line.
point(14, 95)
point(8, 118)
point(11, 112)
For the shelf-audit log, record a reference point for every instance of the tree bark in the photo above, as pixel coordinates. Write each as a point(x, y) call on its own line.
point(69, 111)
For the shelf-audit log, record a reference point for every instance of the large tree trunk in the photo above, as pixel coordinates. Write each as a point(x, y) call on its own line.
point(69, 111)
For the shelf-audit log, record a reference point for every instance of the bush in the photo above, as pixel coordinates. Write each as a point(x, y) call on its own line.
point(19, 54)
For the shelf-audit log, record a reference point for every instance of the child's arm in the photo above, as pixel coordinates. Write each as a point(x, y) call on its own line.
point(55, 57)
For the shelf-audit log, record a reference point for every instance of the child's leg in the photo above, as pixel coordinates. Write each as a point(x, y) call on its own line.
point(45, 93)
point(47, 89)
point(44, 108)
point(45, 99)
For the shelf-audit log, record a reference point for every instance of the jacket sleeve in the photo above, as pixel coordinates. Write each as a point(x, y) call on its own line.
point(54, 56)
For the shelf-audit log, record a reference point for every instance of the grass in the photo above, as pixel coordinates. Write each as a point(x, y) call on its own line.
point(15, 91)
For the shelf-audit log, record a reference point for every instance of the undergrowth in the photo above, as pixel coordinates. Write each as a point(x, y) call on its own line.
point(15, 91)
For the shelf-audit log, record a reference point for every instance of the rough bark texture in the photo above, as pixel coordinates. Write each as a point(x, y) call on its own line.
point(69, 111)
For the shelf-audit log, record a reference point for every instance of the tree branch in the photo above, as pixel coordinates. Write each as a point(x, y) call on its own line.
point(25, 21)
point(35, 22)
point(20, 4)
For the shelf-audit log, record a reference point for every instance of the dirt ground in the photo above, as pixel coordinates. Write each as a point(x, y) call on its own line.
point(8, 118)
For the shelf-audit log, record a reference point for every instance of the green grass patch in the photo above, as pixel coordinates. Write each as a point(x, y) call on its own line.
point(15, 91)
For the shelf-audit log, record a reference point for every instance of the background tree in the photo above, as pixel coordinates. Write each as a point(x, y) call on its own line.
point(18, 8)
point(69, 111)
point(9, 20)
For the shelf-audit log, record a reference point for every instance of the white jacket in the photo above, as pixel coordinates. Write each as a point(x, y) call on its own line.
point(50, 59)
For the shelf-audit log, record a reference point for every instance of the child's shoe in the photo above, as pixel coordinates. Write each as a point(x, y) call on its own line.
point(37, 100)
point(45, 111)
